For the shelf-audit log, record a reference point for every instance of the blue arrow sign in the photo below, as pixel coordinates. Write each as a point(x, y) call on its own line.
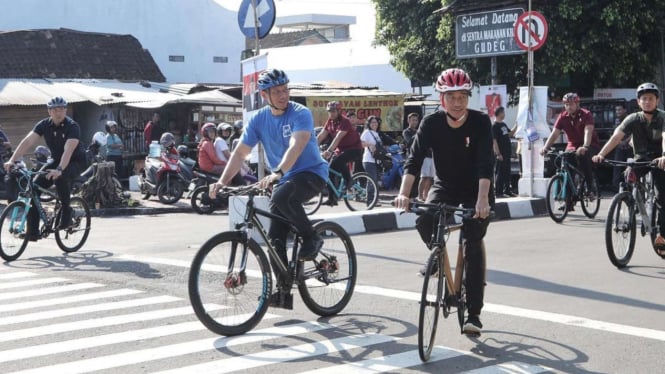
point(265, 15)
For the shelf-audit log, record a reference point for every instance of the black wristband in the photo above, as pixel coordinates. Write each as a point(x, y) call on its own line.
point(279, 171)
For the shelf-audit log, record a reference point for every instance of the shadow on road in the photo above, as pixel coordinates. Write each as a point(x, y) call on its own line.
point(88, 261)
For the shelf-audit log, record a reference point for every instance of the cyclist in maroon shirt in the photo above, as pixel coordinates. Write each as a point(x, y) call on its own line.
point(577, 124)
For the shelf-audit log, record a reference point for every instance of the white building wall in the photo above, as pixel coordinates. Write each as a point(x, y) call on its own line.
point(196, 29)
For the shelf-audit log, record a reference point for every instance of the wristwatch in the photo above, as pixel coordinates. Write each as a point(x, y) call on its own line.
point(59, 168)
point(279, 171)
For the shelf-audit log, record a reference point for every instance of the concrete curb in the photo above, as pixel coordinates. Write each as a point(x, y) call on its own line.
point(390, 219)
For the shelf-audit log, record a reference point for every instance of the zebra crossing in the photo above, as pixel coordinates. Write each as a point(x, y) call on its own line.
point(56, 325)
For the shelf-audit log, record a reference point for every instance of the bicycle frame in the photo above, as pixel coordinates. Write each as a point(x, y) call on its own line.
point(440, 244)
point(339, 189)
point(30, 196)
point(567, 170)
point(251, 221)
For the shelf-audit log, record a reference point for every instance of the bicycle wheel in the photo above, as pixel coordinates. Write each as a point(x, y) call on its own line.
point(72, 238)
point(13, 223)
point(228, 299)
point(461, 301)
point(201, 202)
point(360, 196)
point(326, 284)
point(556, 201)
point(620, 229)
point(590, 200)
point(430, 303)
point(312, 205)
point(654, 213)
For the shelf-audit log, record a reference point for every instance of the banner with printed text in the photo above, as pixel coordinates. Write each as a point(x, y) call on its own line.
point(390, 108)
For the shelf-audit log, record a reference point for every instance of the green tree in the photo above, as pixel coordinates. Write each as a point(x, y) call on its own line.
point(593, 43)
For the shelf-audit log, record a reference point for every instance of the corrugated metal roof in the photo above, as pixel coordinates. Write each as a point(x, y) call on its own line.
point(101, 92)
point(214, 97)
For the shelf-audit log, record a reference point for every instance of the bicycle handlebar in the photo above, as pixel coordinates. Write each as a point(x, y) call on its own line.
point(634, 164)
point(419, 208)
point(250, 189)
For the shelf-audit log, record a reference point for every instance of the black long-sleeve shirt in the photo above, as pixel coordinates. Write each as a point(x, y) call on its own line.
point(461, 156)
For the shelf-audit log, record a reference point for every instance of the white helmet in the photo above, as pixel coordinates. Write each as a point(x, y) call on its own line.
point(99, 138)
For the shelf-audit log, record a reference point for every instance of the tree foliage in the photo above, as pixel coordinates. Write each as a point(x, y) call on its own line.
point(592, 43)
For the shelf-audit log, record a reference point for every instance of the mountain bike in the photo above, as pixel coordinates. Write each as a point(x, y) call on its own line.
point(14, 218)
point(230, 281)
point(636, 198)
point(441, 291)
point(569, 186)
point(362, 195)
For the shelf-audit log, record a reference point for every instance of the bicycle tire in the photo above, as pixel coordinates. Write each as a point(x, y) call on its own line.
point(654, 214)
point(312, 205)
point(224, 307)
point(11, 219)
point(620, 230)
point(74, 237)
point(358, 199)
point(461, 300)
point(556, 201)
point(590, 207)
point(327, 283)
point(428, 316)
point(201, 202)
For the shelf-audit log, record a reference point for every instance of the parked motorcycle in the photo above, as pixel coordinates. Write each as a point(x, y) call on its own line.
point(162, 176)
point(201, 201)
point(392, 170)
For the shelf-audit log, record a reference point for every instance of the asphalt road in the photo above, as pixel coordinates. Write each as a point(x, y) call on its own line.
point(554, 303)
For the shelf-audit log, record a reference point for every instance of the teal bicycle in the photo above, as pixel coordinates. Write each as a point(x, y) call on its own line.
point(14, 218)
point(567, 187)
point(362, 195)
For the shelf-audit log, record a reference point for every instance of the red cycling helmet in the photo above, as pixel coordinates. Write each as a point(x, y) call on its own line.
point(571, 97)
point(453, 80)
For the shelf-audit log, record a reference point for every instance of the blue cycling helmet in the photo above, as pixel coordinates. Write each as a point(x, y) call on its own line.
point(272, 78)
point(56, 102)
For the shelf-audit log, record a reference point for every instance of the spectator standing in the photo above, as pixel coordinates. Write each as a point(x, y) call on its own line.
point(409, 133)
point(624, 150)
point(5, 145)
point(501, 135)
point(114, 147)
point(152, 130)
point(369, 139)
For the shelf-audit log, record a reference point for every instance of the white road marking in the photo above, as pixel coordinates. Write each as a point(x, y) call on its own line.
point(389, 363)
point(31, 282)
point(563, 319)
point(175, 350)
point(17, 274)
point(47, 291)
point(277, 356)
point(31, 317)
point(67, 299)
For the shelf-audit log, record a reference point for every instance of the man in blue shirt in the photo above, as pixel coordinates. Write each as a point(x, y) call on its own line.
point(286, 130)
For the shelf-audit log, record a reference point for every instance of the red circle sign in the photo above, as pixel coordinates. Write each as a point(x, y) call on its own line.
point(530, 30)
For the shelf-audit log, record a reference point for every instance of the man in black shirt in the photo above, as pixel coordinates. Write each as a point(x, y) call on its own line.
point(61, 135)
point(502, 150)
point(461, 143)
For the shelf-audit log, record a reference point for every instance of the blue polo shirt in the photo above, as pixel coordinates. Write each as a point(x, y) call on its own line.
point(275, 133)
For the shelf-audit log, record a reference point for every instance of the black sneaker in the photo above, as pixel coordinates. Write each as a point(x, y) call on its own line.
point(310, 248)
point(330, 202)
point(281, 300)
point(472, 326)
point(434, 270)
